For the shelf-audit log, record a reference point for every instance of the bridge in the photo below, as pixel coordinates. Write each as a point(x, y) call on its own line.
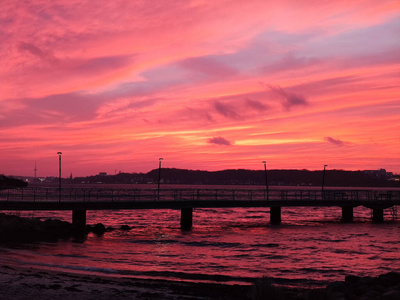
point(79, 200)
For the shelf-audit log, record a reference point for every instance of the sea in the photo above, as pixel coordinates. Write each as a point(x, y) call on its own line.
point(310, 248)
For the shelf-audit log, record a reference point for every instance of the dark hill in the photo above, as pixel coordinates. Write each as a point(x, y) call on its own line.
point(7, 182)
point(339, 178)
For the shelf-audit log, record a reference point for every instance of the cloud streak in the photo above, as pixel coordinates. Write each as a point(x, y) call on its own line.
point(226, 110)
point(333, 141)
point(35, 51)
point(219, 141)
point(288, 99)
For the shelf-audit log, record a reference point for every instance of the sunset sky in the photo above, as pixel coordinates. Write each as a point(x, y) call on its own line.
point(209, 85)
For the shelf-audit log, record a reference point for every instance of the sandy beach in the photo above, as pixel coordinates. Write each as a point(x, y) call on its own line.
point(26, 283)
point(19, 283)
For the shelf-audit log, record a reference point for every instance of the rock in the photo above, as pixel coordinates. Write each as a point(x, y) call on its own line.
point(17, 229)
point(54, 228)
point(336, 287)
point(368, 280)
point(371, 295)
point(264, 289)
point(360, 289)
point(352, 279)
point(391, 295)
point(99, 229)
point(125, 227)
point(389, 279)
point(379, 288)
point(336, 296)
point(386, 286)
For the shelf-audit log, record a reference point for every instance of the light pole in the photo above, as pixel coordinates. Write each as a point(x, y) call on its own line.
point(266, 178)
point(159, 175)
point(59, 175)
point(323, 180)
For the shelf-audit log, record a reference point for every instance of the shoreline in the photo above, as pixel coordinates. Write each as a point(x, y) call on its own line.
point(20, 283)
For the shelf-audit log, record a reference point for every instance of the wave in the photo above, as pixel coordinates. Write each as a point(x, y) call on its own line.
point(268, 245)
point(68, 255)
point(343, 251)
point(165, 275)
point(78, 268)
point(321, 270)
point(186, 243)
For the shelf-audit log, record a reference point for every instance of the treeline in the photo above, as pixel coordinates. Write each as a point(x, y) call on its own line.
point(7, 182)
point(339, 178)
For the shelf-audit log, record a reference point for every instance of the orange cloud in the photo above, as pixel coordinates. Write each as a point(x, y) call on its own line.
point(119, 84)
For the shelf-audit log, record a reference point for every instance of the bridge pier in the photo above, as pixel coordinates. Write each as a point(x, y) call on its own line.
point(377, 215)
point(79, 218)
point(347, 214)
point(186, 218)
point(275, 214)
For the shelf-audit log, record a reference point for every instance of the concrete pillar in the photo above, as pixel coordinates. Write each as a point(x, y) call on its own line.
point(275, 214)
point(79, 218)
point(377, 215)
point(347, 214)
point(186, 218)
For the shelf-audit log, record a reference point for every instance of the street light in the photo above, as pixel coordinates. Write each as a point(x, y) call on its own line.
point(323, 179)
point(59, 175)
point(266, 178)
point(159, 175)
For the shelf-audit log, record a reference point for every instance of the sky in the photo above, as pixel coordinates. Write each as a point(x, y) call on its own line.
point(205, 85)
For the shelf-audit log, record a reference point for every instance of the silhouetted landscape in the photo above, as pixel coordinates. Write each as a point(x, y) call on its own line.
point(11, 182)
point(333, 178)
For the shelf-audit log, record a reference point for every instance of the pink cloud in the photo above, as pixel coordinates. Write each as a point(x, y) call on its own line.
point(289, 99)
point(336, 142)
point(35, 51)
point(227, 110)
point(219, 141)
point(158, 80)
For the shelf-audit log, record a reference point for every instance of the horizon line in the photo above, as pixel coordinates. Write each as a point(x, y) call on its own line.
point(167, 168)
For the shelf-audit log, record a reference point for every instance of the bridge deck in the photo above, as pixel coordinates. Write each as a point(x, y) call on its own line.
point(103, 198)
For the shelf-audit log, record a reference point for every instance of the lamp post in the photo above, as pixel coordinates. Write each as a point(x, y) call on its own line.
point(266, 178)
point(323, 180)
point(159, 175)
point(59, 175)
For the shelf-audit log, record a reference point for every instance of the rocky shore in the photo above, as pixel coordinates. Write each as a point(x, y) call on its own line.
point(385, 287)
point(16, 229)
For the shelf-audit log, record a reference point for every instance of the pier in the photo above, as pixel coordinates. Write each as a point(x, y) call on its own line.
point(79, 200)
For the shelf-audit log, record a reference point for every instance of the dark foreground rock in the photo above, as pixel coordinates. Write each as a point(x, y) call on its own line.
point(386, 287)
point(18, 229)
point(125, 227)
point(98, 229)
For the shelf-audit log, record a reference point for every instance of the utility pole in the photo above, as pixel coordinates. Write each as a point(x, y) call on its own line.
point(323, 182)
point(266, 178)
point(59, 175)
point(159, 175)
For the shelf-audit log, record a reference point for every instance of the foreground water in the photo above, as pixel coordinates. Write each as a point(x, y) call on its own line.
point(234, 245)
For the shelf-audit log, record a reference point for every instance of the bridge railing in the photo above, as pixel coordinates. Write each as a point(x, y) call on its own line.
point(37, 194)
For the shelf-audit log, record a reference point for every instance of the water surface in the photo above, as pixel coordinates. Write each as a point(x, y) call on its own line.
point(232, 245)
